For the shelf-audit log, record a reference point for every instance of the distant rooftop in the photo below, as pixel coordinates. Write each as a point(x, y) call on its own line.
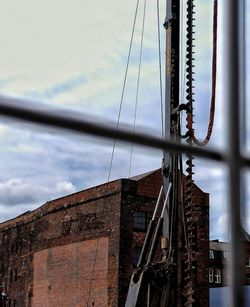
point(141, 176)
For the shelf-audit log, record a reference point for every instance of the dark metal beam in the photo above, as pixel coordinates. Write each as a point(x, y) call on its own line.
point(75, 122)
point(234, 78)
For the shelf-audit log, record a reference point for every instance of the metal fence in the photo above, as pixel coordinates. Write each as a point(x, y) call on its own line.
point(234, 61)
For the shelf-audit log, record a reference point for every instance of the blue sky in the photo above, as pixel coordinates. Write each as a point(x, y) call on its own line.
point(72, 54)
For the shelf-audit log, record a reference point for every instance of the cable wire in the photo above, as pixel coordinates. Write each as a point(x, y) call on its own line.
point(160, 66)
point(114, 144)
point(123, 88)
point(138, 83)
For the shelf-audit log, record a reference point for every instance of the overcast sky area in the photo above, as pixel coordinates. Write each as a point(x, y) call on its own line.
point(72, 55)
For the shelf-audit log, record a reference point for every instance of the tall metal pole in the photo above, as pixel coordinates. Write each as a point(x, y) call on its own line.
point(171, 84)
point(172, 226)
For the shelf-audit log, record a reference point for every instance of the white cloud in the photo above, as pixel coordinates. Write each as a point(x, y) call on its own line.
point(64, 188)
point(19, 191)
point(18, 195)
point(222, 227)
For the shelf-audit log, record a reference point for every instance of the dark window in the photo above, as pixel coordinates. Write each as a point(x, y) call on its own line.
point(14, 303)
point(9, 302)
point(248, 278)
point(248, 262)
point(211, 275)
point(139, 220)
point(15, 274)
point(11, 275)
point(136, 252)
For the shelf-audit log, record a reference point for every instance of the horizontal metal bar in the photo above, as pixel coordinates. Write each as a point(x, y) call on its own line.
point(38, 113)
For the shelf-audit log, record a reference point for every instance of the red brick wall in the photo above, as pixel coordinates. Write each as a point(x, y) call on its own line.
point(141, 195)
point(58, 226)
point(62, 275)
point(150, 185)
point(69, 224)
point(135, 197)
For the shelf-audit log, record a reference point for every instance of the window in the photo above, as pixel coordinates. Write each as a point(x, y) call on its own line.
point(211, 275)
point(217, 276)
point(211, 254)
point(136, 252)
point(225, 254)
point(248, 262)
point(247, 278)
point(139, 221)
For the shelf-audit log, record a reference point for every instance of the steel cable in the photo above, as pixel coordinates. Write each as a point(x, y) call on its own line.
point(138, 83)
point(123, 87)
point(160, 67)
point(114, 143)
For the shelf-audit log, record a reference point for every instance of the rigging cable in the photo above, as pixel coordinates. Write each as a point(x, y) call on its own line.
point(123, 88)
point(138, 83)
point(113, 149)
point(160, 66)
point(160, 76)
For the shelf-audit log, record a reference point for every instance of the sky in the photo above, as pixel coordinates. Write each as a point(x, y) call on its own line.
point(71, 55)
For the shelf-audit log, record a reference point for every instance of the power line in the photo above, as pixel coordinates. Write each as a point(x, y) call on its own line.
point(123, 88)
point(160, 66)
point(114, 143)
point(138, 82)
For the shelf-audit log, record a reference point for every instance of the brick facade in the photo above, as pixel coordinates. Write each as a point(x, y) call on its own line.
point(80, 248)
point(219, 261)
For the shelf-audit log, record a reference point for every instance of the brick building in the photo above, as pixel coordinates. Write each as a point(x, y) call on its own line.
point(81, 248)
point(219, 258)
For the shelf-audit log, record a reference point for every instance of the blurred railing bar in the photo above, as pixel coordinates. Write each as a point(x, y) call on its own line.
point(235, 81)
point(43, 115)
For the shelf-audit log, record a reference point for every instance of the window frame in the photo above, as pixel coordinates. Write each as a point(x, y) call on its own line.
point(139, 222)
point(217, 276)
point(211, 275)
point(211, 254)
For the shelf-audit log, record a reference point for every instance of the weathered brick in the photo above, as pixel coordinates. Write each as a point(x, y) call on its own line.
point(53, 248)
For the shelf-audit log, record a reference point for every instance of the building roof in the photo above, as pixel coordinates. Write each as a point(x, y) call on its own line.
point(218, 245)
point(141, 176)
point(224, 246)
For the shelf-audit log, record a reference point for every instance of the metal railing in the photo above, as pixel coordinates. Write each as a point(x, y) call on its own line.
point(233, 157)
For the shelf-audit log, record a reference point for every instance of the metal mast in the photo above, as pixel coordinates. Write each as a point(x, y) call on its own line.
point(172, 280)
point(172, 228)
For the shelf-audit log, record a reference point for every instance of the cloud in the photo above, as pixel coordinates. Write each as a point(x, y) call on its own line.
point(19, 191)
point(57, 89)
point(222, 227)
